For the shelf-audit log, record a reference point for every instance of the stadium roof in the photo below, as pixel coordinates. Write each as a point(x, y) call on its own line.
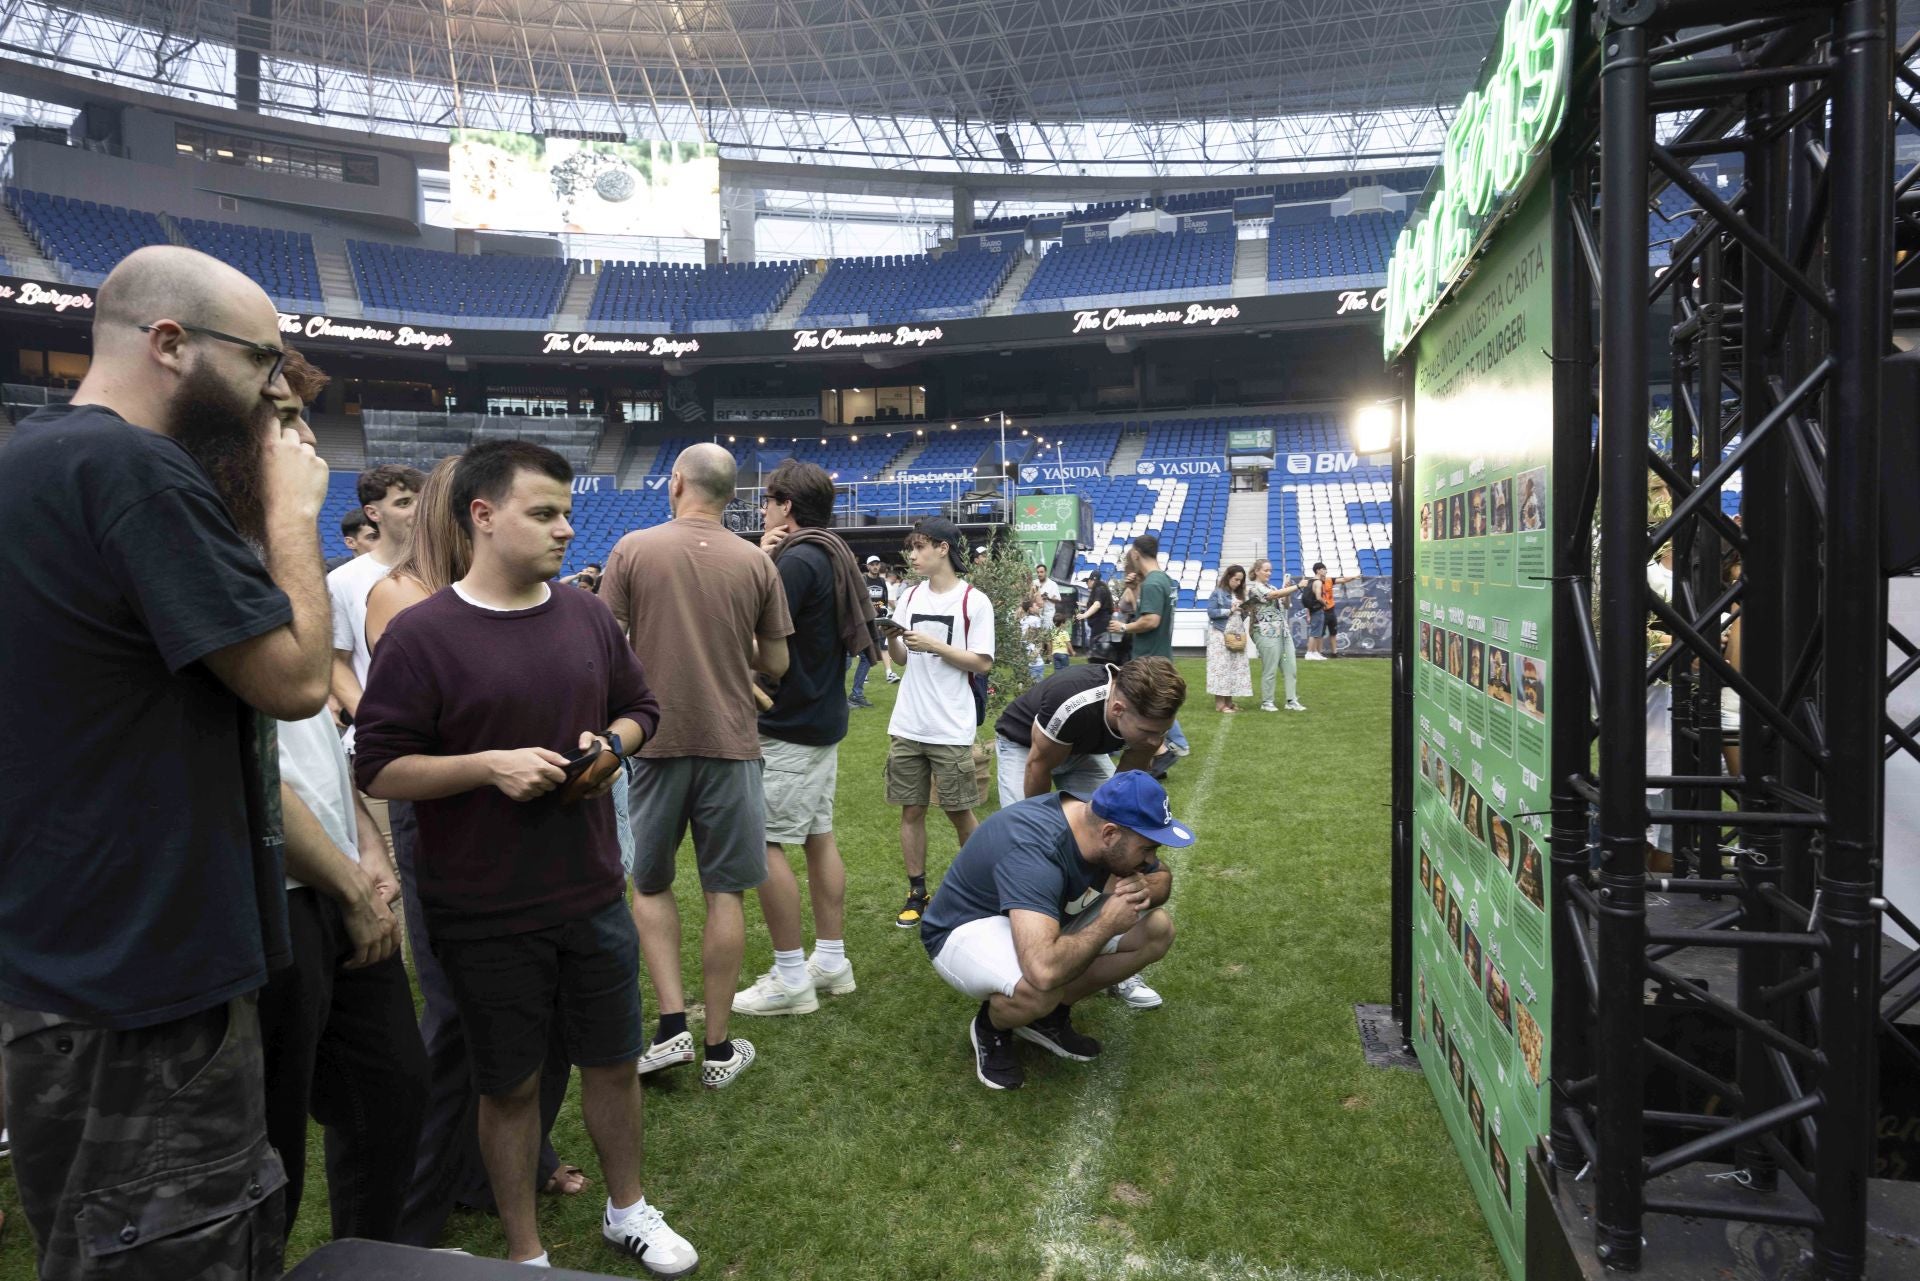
point(1167, 86)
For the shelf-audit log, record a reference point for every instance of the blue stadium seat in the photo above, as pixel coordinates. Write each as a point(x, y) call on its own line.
point(1144, 264)
point(897, 288)
point(687, 297)
point(396, 281)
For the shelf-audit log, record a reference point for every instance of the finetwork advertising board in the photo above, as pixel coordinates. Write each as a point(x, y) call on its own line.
point(1483, 424)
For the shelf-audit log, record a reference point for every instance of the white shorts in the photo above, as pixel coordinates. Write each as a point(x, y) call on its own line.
point(978, 958)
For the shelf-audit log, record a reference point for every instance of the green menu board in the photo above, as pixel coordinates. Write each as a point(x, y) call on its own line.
point(1483, 419)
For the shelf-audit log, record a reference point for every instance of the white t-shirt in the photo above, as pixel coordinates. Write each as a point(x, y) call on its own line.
point(314, 765)
point(348, 587)
point(935, 703)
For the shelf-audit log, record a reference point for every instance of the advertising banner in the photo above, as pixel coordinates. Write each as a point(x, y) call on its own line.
point(1483, 566)
point(1365, 621)
point(1054, 473)
point(1255, 441)
point(1041, 522)
point(58, 304)
point(1181, 467)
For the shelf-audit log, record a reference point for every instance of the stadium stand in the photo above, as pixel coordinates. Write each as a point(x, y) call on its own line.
point(422, 438)
point(282, 262)
point(691, 298)
point(1332, 253)
point(400, 283)
point(905, 287)
point(1137, 269)
point(87, 238)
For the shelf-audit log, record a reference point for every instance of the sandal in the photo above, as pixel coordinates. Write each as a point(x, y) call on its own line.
point(563, 1175)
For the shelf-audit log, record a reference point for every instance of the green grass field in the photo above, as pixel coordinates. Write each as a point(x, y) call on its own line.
point(1233, 1133)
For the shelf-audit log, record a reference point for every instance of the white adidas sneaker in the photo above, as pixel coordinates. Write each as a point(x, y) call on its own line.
point(642, 1231)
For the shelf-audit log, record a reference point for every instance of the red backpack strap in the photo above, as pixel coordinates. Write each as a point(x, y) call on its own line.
point(964, 596)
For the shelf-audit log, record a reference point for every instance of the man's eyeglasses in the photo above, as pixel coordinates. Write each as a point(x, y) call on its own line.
point(266, 355)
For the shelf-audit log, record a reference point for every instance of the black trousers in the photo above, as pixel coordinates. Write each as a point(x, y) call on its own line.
point(447, 1170)
point(341, 1047)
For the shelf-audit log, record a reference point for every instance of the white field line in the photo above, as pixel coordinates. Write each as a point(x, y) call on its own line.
point(1066, 1206)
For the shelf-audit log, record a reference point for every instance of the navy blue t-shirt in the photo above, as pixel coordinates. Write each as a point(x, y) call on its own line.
point(1023, 857)
point(132, 888)
point(810, 706)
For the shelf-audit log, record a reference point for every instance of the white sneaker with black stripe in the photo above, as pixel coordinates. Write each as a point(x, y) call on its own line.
point(641, 1231)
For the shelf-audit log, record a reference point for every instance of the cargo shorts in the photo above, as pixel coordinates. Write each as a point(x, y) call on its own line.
point(144, 1153)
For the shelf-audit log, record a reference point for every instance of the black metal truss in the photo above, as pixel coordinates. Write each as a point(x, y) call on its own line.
point(1782, 301)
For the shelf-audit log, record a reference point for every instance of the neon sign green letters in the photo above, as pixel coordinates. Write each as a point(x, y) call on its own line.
point(1498, 131)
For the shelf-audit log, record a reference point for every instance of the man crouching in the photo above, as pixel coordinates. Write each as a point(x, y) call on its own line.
point(1021, 924)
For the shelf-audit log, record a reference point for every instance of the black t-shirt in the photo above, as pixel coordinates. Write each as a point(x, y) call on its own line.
point(1102, 601)
point(810, 706)
point(878, 589)
point(1071, 707)
point(132, 891)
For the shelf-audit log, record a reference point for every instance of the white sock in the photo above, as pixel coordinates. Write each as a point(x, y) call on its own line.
point(791, 967)
point(621, 1212)
point(829, 954)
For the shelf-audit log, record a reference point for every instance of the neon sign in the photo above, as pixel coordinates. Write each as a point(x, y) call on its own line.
point(1499, 130)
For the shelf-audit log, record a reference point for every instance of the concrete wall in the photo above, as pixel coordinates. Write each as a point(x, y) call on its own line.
point(155, 176)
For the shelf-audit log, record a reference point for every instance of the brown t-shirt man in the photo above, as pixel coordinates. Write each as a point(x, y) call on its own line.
point(694, 596)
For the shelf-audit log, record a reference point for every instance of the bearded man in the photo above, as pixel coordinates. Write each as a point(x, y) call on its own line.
point(166, 604)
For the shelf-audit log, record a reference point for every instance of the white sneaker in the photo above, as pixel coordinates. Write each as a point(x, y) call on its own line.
point(1313, 658)
point(1268, 707)
point(831, 982)
point(1296, 705)
point(1136, 993)
point(718, 1076)
point(671, 1052)
point(892, 679)
point(769, 995)
point(642, 1232)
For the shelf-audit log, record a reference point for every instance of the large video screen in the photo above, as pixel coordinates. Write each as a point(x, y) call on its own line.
point(523, 182)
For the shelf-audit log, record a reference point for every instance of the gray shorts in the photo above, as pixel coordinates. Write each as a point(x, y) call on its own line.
point(727, 808)
point(799, 784)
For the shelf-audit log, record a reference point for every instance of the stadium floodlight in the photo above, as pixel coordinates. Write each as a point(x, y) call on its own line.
point(1375, 426)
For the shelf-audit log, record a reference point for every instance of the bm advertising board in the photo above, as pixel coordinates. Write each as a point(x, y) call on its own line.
point(1483, 564)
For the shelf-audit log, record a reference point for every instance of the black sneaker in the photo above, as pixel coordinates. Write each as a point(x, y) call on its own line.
point(909, 916)
point(1055, 1033)
point(858, 700)
point(993, 1060)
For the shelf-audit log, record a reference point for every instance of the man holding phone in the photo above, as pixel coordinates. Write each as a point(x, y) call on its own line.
point(1021, 924)
point(481, 701)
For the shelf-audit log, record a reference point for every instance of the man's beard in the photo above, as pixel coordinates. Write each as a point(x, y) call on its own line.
point(226, 434)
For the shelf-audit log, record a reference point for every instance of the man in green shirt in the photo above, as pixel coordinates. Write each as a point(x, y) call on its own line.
point(1152, 622)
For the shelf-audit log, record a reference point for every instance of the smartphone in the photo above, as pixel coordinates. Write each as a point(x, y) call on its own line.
point(889, 626)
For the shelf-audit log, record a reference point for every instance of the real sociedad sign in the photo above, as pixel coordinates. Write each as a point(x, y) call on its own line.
point(1181, 467)
point(1490, 148)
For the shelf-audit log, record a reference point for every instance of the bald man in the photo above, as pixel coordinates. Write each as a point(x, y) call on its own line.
point(705, 610)
point(160, 542)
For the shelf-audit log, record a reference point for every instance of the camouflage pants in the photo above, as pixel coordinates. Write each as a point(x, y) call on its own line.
point(144, 1153)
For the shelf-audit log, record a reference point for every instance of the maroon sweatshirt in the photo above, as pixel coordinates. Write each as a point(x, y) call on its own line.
point(450, 679)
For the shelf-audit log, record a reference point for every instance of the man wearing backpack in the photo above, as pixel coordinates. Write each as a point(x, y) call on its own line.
point(1323, 615)
point(943, 642)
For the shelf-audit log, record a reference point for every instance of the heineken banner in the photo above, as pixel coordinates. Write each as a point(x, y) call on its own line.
point(1041, 522)
point(1483, 417)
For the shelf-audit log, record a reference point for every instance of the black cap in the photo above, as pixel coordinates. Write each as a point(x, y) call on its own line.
point(938, 529)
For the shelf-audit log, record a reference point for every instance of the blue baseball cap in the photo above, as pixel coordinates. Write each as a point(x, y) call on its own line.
point(1135, 800)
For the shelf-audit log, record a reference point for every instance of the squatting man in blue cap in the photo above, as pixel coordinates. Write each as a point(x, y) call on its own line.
point(1021, 923)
